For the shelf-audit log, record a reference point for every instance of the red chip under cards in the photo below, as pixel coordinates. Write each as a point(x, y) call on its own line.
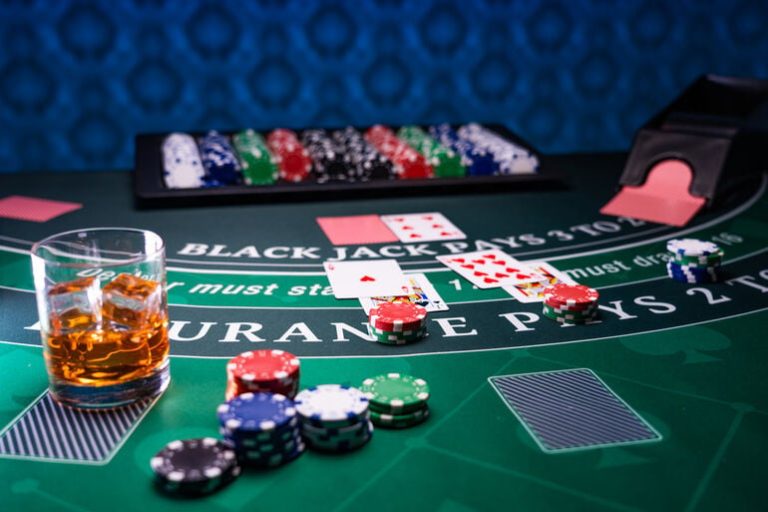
point(263, 366)
point(397, 316)
point(570, 294)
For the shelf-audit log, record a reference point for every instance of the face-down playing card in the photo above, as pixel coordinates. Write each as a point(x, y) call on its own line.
point(355, 279)
point(490, 269)
point(422, 227)
point(567, 410)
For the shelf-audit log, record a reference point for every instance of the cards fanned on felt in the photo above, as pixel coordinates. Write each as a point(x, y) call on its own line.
point(534, 291)
point(422, 294)
point(490, 269)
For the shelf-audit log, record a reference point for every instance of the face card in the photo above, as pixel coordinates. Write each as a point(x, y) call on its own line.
point(422, 227)
point(566, 410)
point(534, 291)
point(490, 269)
point(422, 293)
point(34, 209)
point(355, 230)
point(355, 279)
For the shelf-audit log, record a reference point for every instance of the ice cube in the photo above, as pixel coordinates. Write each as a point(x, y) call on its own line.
point(74, 306)
point(131, 302)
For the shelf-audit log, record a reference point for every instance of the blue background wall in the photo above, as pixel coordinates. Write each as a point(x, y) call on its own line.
point(78, 79)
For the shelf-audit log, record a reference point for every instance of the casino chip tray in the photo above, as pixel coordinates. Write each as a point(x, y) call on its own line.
point(333, 163)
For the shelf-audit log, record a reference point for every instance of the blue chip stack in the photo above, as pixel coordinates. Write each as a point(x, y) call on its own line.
point(334, 418)
point(263, 428)
point(510, 158)
point(478, 161)
point(694, 261)
point(222, 166)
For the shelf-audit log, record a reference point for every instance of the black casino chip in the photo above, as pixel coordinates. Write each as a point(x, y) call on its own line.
point(195, 466)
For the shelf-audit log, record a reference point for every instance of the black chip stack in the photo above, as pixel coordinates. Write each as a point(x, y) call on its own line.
point(328, 157)
point(366, 161)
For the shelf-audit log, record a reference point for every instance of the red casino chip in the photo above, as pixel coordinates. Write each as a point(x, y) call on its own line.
point(409, 163)
point(293, 160)
point(265, 367)
point(576, 296)
point(234, 389)
point(398, 316)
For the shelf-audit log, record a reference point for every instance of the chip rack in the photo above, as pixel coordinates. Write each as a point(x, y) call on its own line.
point(151, 192)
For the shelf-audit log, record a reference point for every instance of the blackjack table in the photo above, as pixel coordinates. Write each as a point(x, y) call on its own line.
point(689, 359)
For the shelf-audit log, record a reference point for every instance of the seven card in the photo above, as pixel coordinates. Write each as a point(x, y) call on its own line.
point(534, 292)
point(355, 279)
point(422, 227)
point(422, 293)
point(490, 269)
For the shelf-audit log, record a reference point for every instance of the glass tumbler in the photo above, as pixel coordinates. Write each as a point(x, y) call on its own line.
point(101, 297)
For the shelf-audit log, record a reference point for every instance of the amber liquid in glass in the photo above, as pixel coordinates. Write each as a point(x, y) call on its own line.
point(109, 336)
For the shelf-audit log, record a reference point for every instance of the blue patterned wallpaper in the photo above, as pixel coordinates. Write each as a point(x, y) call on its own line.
point(78, 79)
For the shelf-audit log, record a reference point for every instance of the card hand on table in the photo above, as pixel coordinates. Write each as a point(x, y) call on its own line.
point(422, 294)
point(490, 269)
point(534, 291)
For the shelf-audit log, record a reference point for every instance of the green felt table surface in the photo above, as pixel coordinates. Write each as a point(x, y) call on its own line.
point(690, 360)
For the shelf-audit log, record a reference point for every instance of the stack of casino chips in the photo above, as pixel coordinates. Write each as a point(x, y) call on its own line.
point(367, 162)
point(396, 400)
point(328, 157)
point(398, 323)
point(263, 428)
point(510, 158)
point(479, 161)
point(263, 371)
point(195, 467)
point(570, 303)
point(445, 162)
point(334, 418)
point(293, 160)
point(257, 164)
point(694, 261)
point(222, 167)
point(409, 164)
point(181, 162)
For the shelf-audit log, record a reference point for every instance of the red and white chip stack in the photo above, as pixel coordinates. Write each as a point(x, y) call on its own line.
point(260, 371)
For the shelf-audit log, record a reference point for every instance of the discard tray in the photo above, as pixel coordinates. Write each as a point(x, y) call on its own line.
point(151, 191)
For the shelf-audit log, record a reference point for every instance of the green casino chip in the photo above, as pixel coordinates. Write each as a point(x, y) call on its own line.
point(258, 165)
point(400, 420)
point(395, 392)
point(577, 314)
point(447, 163)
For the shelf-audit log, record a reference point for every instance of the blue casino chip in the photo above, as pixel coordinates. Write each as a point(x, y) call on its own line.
point(221, 164)
point(478, 162)
point(256, 412)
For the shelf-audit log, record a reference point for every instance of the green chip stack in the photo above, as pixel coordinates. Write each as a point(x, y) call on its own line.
point(259, 168)
point(396, 400)
point(446, 162)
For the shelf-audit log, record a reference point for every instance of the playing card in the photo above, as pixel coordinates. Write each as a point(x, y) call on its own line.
point(356, 229)
point(490, 269)
point(422, 293)
point(567, 410)
point(34, 209)
point(355, 279)
point(534, 291)
point(422, 227)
